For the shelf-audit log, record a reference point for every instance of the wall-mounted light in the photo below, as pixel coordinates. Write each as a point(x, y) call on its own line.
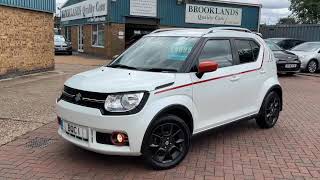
point(180, 1)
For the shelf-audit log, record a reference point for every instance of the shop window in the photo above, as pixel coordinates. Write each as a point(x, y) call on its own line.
point(98, 35)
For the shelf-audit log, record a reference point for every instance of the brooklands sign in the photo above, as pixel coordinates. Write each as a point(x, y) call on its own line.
point(85, 9)
point(200, 14)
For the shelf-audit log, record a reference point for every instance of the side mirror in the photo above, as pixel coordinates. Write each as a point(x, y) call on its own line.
point(205, 67)
point(115, 57)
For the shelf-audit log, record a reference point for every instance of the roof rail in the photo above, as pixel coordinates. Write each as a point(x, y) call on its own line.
point(229, 28)
point(167, 29)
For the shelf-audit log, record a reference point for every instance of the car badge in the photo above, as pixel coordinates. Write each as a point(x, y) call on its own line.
point(78, 97)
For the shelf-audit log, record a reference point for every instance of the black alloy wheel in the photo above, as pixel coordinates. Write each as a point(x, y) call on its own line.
point(270, 111)
point(166, 142)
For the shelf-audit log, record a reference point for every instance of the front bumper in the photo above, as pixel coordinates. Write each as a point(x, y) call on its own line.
point(90, 118)
point(62, 49)
point(281, 67)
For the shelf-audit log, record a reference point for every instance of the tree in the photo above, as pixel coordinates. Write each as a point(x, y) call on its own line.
point(287, 20)
point(306, 11)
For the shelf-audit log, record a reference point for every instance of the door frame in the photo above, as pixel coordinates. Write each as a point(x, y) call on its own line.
point(80, 38)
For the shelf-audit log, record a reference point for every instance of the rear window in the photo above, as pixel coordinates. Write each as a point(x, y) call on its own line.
point(248, 51)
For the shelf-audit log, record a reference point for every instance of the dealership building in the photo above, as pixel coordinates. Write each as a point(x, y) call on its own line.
point(26, 36)
point(107, 27)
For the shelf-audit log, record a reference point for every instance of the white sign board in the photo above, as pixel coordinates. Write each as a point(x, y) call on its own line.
point(252, 2)
point(199, 14)
point(146, 8)
point(85, 9)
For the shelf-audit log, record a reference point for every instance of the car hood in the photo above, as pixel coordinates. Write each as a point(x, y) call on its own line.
point(302, 53)
point(113, 80)
point(285, 55)
point(60, 44)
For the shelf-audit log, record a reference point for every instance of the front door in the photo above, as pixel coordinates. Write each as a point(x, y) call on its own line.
point(80, 38)
point(231, 92)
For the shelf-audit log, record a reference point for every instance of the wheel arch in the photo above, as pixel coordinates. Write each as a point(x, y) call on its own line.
point(278, 89)
point(316, 60)
point(179, 110)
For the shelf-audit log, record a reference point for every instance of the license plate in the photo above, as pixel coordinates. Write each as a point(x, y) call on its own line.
point(61, 49)
point(290, 66)
point(75, 130)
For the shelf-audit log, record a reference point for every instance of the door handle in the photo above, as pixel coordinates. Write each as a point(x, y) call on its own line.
point(235, 78)
point(262, 71)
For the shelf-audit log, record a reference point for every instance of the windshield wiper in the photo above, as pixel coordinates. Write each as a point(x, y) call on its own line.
point(122, 66)
point(160, 70)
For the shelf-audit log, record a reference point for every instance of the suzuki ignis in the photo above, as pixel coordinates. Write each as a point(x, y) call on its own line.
point(168, 86)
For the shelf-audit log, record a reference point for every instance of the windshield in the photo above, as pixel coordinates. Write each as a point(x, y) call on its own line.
point(308, 47)
point(157, 54)
point(273, 46)
point(59, 39)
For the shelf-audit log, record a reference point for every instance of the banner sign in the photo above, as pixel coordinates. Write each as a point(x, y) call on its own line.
point(146, 8)
point(247, 2)
point(200, 14)
point(85, 9)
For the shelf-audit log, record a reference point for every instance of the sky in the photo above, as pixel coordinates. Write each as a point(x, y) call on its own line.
point(272, 10)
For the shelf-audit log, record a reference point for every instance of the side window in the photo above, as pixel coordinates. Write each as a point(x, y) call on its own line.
point(218, 51)
point(248, 51)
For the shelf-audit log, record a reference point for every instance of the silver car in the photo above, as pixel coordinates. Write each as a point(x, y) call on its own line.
point(309, 55)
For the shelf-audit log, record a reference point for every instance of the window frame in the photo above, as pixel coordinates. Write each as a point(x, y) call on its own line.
point(67, 33)
point(236, 49)
point(97, 30)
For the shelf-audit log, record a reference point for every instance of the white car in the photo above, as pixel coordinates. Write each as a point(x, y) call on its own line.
point(170, 85)
point(309, 55)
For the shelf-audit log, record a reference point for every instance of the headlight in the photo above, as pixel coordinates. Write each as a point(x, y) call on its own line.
point(304, 57)
point(123, 102)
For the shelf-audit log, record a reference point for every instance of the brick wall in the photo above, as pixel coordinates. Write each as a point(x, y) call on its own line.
point(114, 45)
point(74, 38)
point(26, 41)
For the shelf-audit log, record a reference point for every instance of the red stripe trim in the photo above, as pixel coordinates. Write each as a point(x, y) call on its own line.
point(212, 79)
point(207, 80)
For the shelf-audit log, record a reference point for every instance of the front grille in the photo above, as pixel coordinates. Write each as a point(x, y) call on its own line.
point(83, 98)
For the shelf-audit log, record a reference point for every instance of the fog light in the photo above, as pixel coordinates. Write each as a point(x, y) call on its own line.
point(119, 139)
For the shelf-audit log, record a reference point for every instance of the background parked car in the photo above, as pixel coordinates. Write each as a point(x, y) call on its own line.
point(61, 45)
point(286, 43)
point(287, 62)
point(309, 54)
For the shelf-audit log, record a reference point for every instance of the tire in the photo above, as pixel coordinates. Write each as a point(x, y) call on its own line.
point(312, 66)
point(270, 111)
point(166, 142)
point(70, 53)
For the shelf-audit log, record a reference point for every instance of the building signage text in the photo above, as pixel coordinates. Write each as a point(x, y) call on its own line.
point(85, 9)
point(200, 14)
point(146, 8)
